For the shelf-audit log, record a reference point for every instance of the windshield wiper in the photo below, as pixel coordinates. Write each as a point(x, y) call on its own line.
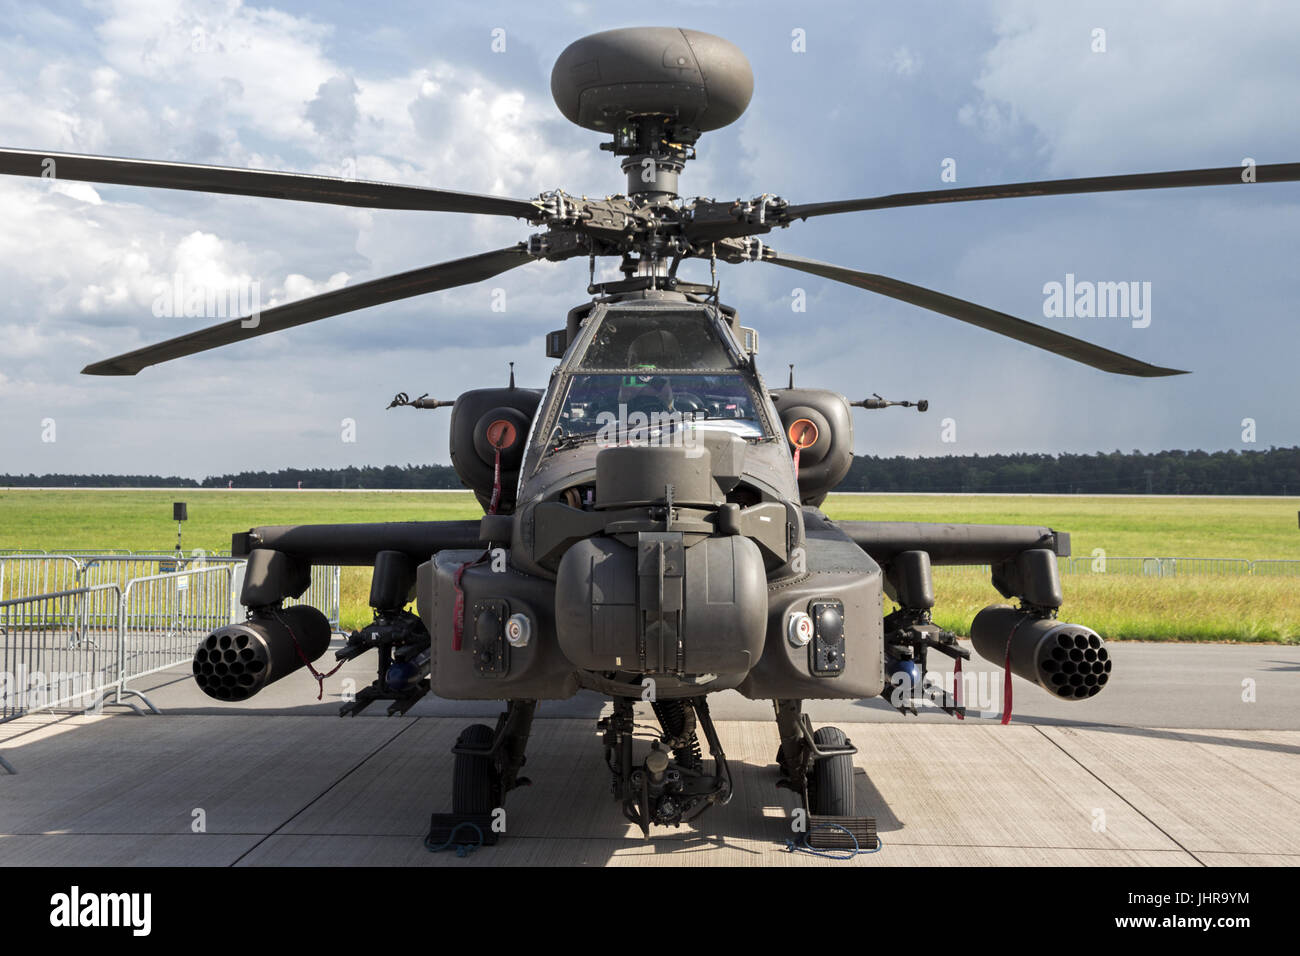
point(571, 441)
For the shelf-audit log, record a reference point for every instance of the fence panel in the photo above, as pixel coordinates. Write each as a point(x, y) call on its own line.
point(950, 571)
point(23, 576)
point(1080, 565)
point(1280, 569)
point(81, 552)
point(121, 568)
point(1185, 567)
point(58, 650)
point(164, 616)
point(1151, 567)
point(323, 593)
point(1116, 564)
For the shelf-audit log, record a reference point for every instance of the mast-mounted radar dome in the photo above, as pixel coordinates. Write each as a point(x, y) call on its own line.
point(604, 80)
point(654, 89)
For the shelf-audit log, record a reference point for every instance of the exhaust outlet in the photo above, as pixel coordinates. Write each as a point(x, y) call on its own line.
point(1069, 661)
point(236, 661)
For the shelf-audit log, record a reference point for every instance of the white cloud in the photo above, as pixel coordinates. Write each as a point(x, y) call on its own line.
point(300, 287)
point(1177, 81)
point(83, 191)
point(274, 58)
point(904, 62)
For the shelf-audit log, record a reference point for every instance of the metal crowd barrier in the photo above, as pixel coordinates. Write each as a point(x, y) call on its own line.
point(59, 650)
point(164, 616)
point(1289, 569)
point(75, 647)
point(1178, 567)
point(28, 575)
point(1150, 567)
point(120, 569)
point(323, 593)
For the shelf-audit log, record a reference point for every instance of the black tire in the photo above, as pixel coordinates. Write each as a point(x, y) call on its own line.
point(474, 778)
point(832, 783)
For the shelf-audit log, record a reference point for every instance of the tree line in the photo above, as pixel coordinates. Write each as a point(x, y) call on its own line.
point(1275, 471)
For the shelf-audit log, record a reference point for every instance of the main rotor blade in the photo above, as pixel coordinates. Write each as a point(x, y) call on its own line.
point(1000, 322)
point(255, 182)
point(1223, 176)
point(434, 278)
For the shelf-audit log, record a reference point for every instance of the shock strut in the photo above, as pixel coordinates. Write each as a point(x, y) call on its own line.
point(678, 723)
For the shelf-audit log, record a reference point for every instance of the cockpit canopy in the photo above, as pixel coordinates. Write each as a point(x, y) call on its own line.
point(640, 370)
point(659, 339)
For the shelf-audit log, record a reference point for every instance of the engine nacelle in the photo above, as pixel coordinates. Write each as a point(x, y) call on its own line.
point(484, 421)
point(823, 463)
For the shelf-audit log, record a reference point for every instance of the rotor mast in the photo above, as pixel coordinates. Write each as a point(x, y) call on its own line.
point(655, 149)
point(653, 90)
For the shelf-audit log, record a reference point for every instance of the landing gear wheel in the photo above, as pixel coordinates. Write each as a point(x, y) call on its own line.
point(474, 783)
point(831, 787)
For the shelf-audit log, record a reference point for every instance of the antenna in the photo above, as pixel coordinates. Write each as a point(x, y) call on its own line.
point(875, 401)
point(512, 374)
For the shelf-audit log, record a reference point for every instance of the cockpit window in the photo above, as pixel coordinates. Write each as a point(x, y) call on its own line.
point(657, 340)
point(622, 407)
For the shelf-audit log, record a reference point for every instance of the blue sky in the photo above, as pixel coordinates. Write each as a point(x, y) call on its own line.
point(413, 92)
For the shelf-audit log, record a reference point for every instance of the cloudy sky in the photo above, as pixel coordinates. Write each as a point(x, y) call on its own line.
point(413, 92)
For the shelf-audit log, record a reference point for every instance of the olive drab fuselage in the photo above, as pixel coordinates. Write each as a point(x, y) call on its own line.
point(658, 530)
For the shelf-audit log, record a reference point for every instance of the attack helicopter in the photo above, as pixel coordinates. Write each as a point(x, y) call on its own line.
point(651, 526)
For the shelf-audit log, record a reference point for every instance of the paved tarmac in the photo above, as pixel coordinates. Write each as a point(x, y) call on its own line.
point(1186, 758)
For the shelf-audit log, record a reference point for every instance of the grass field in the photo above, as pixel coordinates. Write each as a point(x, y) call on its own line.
point(1228, 608)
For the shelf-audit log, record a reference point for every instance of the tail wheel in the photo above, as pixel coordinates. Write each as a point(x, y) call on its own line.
point(831, 786)
point(474, 780)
